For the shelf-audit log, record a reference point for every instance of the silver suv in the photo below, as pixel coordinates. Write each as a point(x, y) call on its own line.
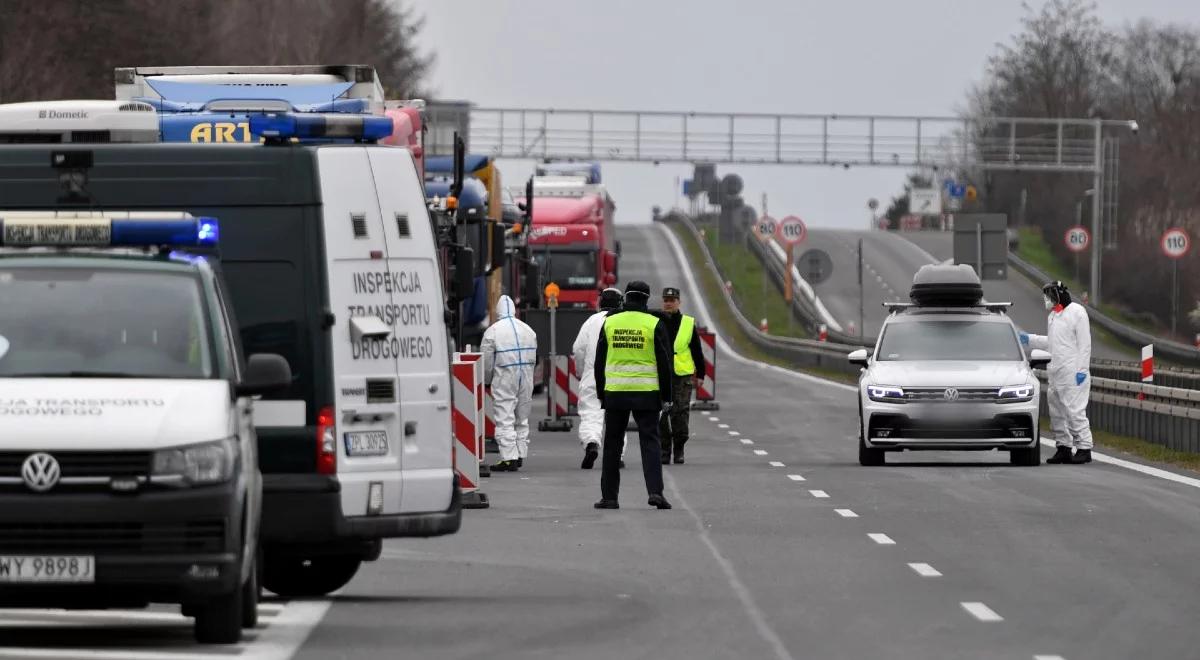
point(948, 372)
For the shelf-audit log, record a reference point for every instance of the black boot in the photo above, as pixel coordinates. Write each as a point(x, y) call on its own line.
point(520, 462)
point(678, 454)
point(607, 504)
point(659, 502)
point(666, 458)
point(505, 466)
point(1061, 455)
point(1082, 456)
point(590, 455)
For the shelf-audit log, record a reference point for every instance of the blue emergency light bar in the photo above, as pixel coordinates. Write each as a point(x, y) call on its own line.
point(285, 126)
point(24, 230)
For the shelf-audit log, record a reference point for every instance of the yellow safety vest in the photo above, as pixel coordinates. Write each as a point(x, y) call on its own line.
point(684, 364)
point(630, 364)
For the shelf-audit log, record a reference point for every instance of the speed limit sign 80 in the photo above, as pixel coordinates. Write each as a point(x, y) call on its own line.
point(792, 230)
point(767, 226)
point(1077, 238)
point(1176, 243)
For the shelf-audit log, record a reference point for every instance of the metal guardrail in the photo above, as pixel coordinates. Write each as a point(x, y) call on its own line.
point(1132, 372)
point(1162, 347)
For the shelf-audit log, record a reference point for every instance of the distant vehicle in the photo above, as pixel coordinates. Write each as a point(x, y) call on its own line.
point(948, 372)
point(129, 466)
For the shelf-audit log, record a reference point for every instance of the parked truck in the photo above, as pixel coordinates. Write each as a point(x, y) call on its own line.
point(573, 237)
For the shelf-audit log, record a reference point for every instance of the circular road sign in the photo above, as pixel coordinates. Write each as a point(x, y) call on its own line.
point(1176, 243)
point(1078, 238)
point(815, 265)
point(872, 203)
point(792, 231)
point(766, 226)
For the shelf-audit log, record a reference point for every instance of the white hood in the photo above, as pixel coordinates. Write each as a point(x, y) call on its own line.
point(101, 413)
point(505, 308)
point(948, 373)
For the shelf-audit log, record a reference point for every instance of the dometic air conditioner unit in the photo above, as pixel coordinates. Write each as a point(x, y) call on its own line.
point(90, 122)
point(937, 285)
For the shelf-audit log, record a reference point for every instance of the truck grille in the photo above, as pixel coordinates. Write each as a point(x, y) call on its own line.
point(959, 394)
point(203, 536)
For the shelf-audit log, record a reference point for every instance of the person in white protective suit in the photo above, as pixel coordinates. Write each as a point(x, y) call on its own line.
point(591, 416)
point(1069, 340)
point(509, 350)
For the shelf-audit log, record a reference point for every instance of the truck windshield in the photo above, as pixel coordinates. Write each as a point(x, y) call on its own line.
point(569, 270)
point(948, 340)
point(102, 322)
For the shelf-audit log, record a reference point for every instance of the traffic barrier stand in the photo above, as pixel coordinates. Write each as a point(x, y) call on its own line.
point(482, 415)
point(467, 386)
point(564, 390)
point(1147, 368)
point(489, 423)
point(706, 389)
point(557, 396)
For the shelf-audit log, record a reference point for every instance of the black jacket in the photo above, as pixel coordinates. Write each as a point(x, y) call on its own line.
point(673, 322)
point(664, 360)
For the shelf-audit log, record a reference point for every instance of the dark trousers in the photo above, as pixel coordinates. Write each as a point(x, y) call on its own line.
point(615, 421)
point(673, 429)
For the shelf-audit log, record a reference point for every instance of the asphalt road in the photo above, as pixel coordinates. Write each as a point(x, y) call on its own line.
point(892, 259)
point(779, 546)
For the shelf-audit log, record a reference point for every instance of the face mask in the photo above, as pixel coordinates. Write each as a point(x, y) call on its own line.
point(1047, 302)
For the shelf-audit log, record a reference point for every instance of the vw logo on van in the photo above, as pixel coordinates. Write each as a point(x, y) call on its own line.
point(40, 472)
point(950, 394)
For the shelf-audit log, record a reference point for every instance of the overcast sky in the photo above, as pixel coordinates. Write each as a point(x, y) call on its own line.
point(917, 57)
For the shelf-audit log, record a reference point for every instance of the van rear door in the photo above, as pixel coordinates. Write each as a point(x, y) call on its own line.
point(423, 356)
point(362, 292)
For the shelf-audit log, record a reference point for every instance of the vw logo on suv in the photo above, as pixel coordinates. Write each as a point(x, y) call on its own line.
point(951, 394)
point(40, 472)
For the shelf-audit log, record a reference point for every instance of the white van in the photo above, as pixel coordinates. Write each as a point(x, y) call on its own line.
point(331, 261)
point(128, 462)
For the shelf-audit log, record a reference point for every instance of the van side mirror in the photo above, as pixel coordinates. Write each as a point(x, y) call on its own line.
point(1039, 359)
point(464, 273)
point(265, 373)
point(499, 256)
point(859, 358)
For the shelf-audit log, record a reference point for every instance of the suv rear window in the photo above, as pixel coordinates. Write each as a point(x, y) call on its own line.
point(949, 340)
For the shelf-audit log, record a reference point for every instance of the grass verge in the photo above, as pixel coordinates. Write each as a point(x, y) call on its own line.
point(752, 288)
point(724, 316)
point(1125, 447)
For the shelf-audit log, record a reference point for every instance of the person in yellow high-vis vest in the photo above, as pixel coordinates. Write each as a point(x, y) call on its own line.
point(633, 375)
point(688, 365)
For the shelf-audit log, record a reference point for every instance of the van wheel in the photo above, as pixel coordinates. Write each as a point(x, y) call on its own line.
point(300, 577)
point(219, 620)
point(251, 592)
point(1026, 457)
point(869, 456)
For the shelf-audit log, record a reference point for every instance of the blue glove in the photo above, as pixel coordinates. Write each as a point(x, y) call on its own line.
point(1024, 338)
point(1080, 377)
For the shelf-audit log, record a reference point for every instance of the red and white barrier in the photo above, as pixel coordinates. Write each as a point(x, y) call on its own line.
point(822, 332)
point(1147, 367)
point(706, 389)
point(489, 412)
point(564, 387)
point(467, 423)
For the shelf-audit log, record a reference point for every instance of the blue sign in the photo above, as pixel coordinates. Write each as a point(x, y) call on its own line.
point(687, 187)
point(957, 190)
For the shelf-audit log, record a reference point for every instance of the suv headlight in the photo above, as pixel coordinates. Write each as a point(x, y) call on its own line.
point(1015, 393)
point(206, 463)
point(888, 393)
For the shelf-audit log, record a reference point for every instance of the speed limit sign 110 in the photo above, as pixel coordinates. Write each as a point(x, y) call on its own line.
point(1077, 238)
point(792, 231)
point(766, 226)
point(1176, 243)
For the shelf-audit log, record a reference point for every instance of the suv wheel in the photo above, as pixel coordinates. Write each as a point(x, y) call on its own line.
point(251, 592)
point(300, 577)
point(869, 455)
point(1026, 457)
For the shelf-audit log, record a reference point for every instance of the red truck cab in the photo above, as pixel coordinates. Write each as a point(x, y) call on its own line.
point(572, 241)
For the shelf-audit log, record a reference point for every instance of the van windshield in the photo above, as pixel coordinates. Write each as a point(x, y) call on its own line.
point(949, 340)
point(102, 322)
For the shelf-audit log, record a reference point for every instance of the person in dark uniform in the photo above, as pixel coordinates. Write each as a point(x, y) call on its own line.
point(633, 375)
point(688, 364)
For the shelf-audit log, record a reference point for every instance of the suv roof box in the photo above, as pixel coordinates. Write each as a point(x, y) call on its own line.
point(937, 285)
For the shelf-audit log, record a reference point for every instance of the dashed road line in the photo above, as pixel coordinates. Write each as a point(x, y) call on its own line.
point(796, 477)
point(846, 513)
point(722, 426)
point(881, 539)
point(925, 570)
point(714, 419)
point(982, 612)
point(819, 494)
point(735, 433)
point(776, 464)
point(760, 452)
point(746, 441)
point(1048, 657)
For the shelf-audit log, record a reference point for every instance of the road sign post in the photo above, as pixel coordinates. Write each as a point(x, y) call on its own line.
point(792, 232)
point(1077, 238)
point(766, 228)
point(1175, 245)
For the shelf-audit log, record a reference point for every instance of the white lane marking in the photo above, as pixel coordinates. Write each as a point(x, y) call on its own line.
point(776, 464)
point(1136, 467)
point(982, 612)
point(846, 513)
point(796, 477)
point(819, 494)
point(746, 441)
point(881, 539)
point(714, 419)
point(727, 349)
point(1048, 657)
point(760, 452)
point(925, 570)
point(753, 612)
point(735, 433)
point(722, 426)
point(120, 654)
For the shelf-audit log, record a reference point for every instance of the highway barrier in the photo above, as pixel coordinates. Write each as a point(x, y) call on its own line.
point(467, 425)
point(706, 388)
